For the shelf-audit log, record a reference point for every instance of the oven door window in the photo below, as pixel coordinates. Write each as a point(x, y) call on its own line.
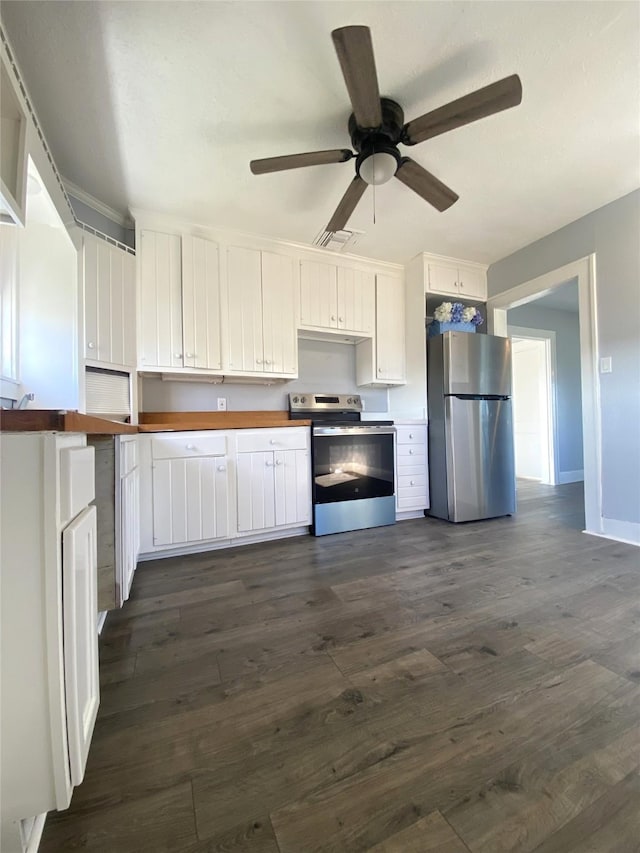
point(352, 467)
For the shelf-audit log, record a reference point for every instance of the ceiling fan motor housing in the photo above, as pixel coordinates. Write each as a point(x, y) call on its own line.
point(379, 140)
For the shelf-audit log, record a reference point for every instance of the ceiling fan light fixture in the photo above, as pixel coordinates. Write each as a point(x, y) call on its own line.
point(378, 168)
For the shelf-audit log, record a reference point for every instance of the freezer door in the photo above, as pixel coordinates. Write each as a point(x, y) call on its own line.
point(480, 460)
point(476, 364)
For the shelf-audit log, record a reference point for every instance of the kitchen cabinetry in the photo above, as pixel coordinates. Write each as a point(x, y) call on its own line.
point(50, 691)
point(190, 487)
point(381, 360)
point(13, 151)
point(109, 277)
point(336, 298)
point(179, 302)
point(262, 327)
point(412, 472)
point(273, 479)
point(128, 514)
point(450, 277)
point(8, 310)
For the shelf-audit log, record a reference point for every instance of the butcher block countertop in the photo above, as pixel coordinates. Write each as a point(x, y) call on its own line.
point(43, 420)
point(181, 421)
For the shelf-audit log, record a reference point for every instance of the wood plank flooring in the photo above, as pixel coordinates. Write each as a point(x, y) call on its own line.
point(424, 687)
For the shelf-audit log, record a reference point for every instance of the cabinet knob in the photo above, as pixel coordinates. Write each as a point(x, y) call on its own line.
point(177, 355)
point(410, 435)
point(413, 482)
point(273, 441)
point(190, 355)
point(269, 464)
point(258, 361)
point(461, 285)
point(333, 317)
point(91, 345)
point(191, 447)
point(222, 467)
point(340, 320)
point(267, 361)
point(411, 451)
point(278, 461)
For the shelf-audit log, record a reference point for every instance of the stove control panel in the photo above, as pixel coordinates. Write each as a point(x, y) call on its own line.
point(313, 402)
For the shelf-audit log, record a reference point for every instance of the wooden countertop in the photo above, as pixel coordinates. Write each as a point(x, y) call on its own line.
point(44, 420)
point(181, 421)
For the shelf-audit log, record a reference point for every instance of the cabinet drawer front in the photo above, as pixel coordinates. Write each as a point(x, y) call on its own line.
point(187, 444)
point(412, 495)
point(286, 438)
point(406, 452)
point(77, 481)
point(128, 455)
point(411, 435)
point(412, 470)
point(409, 481)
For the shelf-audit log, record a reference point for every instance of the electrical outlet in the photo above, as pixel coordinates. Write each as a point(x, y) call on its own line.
point(222, 404)
point(605, 364)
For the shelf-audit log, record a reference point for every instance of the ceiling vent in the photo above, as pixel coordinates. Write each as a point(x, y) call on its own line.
point(337, 241)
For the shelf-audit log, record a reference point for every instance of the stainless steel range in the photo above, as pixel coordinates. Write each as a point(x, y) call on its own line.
point(352, 463)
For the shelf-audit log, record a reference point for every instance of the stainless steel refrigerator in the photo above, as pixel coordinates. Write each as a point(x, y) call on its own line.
point(471, 458)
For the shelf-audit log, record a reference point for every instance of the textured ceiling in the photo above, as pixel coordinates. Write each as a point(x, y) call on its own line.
point(161, 105)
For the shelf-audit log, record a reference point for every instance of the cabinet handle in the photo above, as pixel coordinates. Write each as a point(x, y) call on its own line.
point(222, 467)
point(91, 345)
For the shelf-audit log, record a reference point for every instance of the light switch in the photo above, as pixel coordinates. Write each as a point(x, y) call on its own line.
point(605, 364)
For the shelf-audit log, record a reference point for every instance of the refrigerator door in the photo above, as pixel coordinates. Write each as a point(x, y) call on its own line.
point(476, 364)
point(480, 460)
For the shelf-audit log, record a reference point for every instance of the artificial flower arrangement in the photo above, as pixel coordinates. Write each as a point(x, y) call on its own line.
point(455, 312)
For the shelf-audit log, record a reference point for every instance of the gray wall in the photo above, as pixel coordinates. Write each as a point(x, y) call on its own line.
point(324, 366)
point(568, 395)
point(102, 223)
point(613, 233)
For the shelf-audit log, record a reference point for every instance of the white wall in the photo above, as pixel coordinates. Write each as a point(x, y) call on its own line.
point(613, 234)
point(324, 366)
point(568, 394)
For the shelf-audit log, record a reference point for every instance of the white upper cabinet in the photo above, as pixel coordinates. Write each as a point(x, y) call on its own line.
point(8, 305)
point(201, 307)
point(261, 297)
point(179, 302)
point(160, 300)
point(13, 150)
point(382, 360)
point(452, 278)
point(336, 298)
point(108, 274)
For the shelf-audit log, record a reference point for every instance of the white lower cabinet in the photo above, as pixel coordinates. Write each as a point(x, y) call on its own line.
point(213, 487)
point(48, 629)
point(412, 471)
point(274, 479)
point(190, 488)
point(128, 515)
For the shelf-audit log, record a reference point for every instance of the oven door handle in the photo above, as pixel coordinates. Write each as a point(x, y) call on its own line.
point(359, 430)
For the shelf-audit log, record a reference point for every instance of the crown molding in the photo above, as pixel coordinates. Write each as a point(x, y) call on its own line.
point(94, 203)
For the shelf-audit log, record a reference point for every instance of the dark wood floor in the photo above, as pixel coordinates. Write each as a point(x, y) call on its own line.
point(425, 687)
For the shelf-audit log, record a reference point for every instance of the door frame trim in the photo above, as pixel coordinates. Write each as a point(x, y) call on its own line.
point(584, 270)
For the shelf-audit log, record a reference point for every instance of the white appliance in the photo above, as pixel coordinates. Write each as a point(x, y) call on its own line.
point(48, 630)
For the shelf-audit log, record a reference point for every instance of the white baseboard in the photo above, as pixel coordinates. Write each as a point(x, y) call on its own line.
point(621, 531)
point(406, 514)
point(219, 544)
point(570, 477)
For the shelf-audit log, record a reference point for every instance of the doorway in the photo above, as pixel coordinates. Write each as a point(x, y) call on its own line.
point(583, 271)
point(534, 404)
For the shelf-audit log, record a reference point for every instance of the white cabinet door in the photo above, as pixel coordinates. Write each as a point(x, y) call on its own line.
point(130, 523)
point(356, 298)
point(472, 283)
point(190, 500)
point(109, 302)
point(390, 329)
point(201, 307)
point(160, 320)
point(256, 491)
point(244, 281)
point(80, 611)
point(443, 279)
point(292, 487)
point(9, 302)
point(279, 314)
point(318, 295)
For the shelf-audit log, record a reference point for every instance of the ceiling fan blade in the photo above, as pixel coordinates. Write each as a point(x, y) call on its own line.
point(296, 161)
point(355, 53)
point(479, 104)
point(347, 205)
point(414, 176)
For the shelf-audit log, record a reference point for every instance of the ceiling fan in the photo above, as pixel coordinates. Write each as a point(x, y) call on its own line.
point(377, 127)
